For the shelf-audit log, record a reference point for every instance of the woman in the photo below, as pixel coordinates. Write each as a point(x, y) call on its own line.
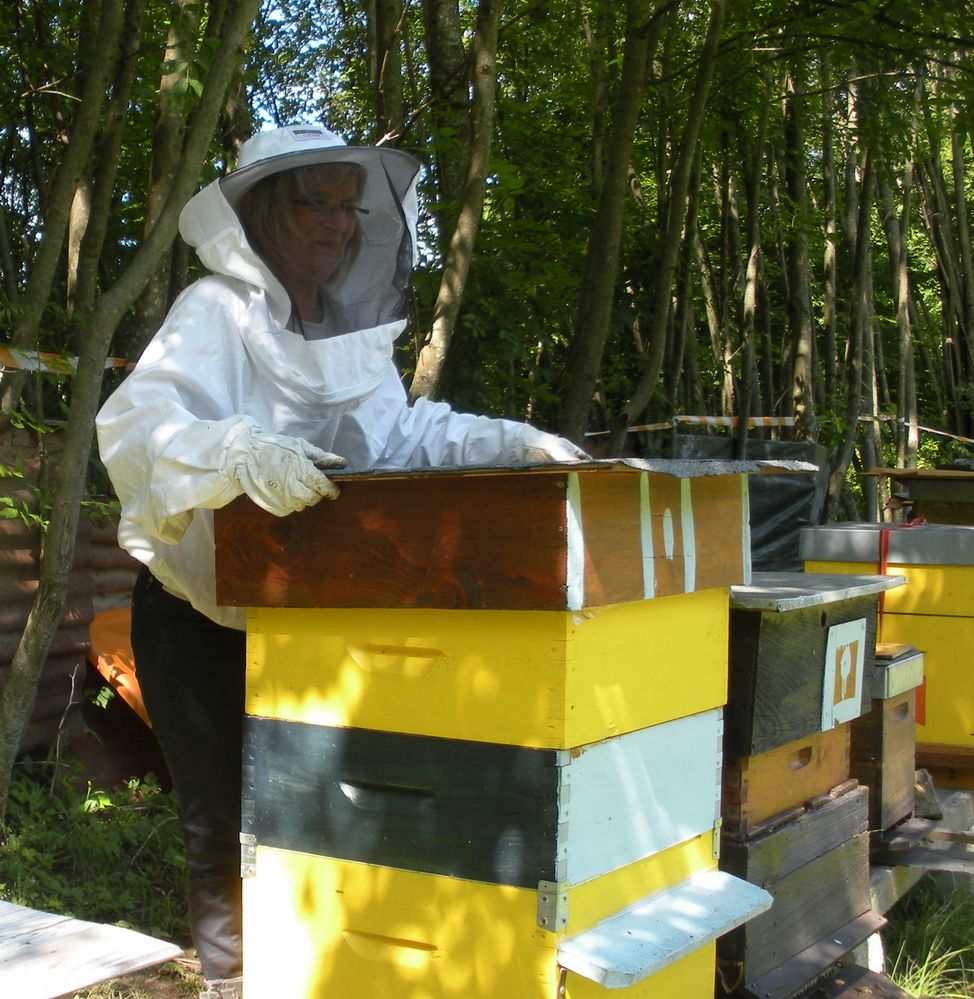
point(265, 374)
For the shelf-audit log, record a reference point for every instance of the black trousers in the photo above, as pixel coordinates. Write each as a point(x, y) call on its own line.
point(191, 673)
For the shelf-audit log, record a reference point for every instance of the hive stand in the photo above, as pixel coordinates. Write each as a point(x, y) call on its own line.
point(482, 741)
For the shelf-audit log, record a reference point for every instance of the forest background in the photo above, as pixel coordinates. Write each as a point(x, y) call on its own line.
point(629, 210)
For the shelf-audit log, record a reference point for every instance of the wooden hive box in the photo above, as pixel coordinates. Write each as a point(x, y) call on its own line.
point(351, 929)
point(938, 495)
point(387, 862)
point(536, 618)
point(801, 656)
point(764, 790)
point(816, 867)
point(883, 745)
point(934, 612)
point(549, 537)
point(464, 693)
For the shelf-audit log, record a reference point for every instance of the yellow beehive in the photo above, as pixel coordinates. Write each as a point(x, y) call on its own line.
point(528, 678)
point(546, 641)
point(934, 611)
point(327, 927)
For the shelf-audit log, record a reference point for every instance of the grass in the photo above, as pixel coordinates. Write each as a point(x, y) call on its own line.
point(929, 939)
point(108, 857)
point(171, 981)
point(111, 857)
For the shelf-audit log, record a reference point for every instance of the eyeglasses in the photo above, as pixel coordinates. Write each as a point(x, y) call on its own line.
point(322, 209)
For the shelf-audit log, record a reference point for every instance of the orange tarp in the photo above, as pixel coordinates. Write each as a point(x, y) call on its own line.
point(111, 655)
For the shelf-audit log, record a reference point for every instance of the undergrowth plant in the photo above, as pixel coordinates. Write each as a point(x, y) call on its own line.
point(109, 857)
point(929, 940)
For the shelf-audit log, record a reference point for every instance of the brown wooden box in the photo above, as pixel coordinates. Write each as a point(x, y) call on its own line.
point(763, 788)
point(817, 869)
point(554, 537)
point(883, 757)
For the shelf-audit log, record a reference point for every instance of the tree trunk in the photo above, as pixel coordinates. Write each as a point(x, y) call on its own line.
point(388, 59)
point(779, 375)
point(907, 434)
point(595, 35)
point(449, 110)
point(57, 211)
point(166, 147)
point(937, 218)
point(750, 391)
point(601, 262)
point(966, 263)
point(857, 331)
point(829, 356)
point(871, 434)
point(682, 323)
point(57, 551)
point(677, 196)
point(429, 365)
point(801, 335)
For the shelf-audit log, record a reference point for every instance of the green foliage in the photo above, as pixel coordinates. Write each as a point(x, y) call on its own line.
point(30, 504)
point(929, 940)
point(109, 857)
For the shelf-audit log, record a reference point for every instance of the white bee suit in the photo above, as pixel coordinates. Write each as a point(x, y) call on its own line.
point(185, 433)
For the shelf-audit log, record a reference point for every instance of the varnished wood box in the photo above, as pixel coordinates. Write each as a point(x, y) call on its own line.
point(801, 656)
point(551, 537)
point(816, 867)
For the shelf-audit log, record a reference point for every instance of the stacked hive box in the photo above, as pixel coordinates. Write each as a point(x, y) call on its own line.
point(482, 742)
point(934, 613)
point(883, 751)
point(801, 659)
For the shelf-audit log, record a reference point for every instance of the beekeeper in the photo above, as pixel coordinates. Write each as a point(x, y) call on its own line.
point(267, 374)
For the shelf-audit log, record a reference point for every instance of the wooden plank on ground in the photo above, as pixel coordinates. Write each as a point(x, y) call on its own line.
point(44, 955)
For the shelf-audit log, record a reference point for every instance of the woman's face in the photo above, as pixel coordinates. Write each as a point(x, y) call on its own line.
point(324, 219)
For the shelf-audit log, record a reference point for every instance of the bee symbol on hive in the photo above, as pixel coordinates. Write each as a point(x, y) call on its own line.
point(844, 665)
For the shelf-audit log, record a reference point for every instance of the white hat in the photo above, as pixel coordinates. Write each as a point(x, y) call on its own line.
point(305, 145)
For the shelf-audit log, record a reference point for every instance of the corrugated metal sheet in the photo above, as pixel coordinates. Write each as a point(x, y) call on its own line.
point(102, 574)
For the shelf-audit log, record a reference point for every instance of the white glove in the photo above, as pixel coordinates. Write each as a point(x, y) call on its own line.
point(281, 474)
point(540, 448)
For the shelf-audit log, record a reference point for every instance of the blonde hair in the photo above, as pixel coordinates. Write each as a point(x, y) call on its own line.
point(267, 212)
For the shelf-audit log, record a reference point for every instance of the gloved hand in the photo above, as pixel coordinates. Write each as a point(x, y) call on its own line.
point(281, 474)
point(540, 448)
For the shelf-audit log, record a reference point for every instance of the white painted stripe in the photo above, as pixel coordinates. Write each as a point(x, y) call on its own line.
point(575, 543)
point(646, 537)
point(746, 530)
point(669, 542)
point(637, 794)
point(689, 540)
